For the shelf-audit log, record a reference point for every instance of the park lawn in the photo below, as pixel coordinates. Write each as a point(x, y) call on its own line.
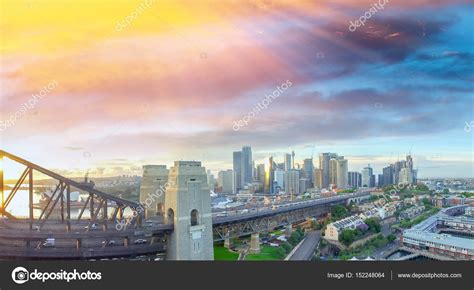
point(267, 253)
point(223, 254)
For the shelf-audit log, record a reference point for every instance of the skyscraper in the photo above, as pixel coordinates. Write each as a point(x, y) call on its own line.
point(367, 177)
point(225, 181)
point(292, 159)
point(237, 166)
point(354, 179)
point(261, 173)
point(288, 162)
point(400, 172)
point(396, 172)
point(292, 182)
point(324, 166)
point(387, 175)
point(308, 168)
point(269, 176)
point(280, 178)
point(341, 172)
point(318, 178)
point(333, 171)
point(246, 157)
point(406, 176)
point(304, 185)
point(380, 182)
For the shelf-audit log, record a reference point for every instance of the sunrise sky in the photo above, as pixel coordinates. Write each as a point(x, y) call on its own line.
point(169, 85)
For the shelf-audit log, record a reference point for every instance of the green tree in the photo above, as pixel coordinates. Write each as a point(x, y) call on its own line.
point(422, 187)
point(426, 202)
point(287, 247)
point(281, 253)
point(391, 238)
point(347, 237)
point(339, 211)
point(374, 224)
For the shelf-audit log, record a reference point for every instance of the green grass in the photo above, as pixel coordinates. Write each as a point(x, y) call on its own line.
point(409, 223)
point(223, 254)
point(267, 253)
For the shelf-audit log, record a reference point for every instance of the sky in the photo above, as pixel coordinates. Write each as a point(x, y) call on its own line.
point(150, 82)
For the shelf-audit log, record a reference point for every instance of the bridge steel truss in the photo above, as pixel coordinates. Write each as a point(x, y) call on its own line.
point(225, 228)
point(97, 202)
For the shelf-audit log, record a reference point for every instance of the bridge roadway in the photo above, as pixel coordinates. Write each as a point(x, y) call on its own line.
point(17, 231)
point(284, 208)
point(68, 253)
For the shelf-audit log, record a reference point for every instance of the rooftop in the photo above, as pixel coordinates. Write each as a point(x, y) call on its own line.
point(444, 239)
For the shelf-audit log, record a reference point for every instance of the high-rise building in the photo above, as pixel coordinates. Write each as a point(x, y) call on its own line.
point(372, 180)
point(261, 173)
point(318, 178)
point(280, 178)
point(367, 176)
point(387, 175)
point(288, 162)
point(308, 169)
point(292, 159)
point(237, 167)
point(270, 176)
point(333, 171)
point(211, 181)
point(396, 172)
point(324, 166)
point(406, 176)
point(354, 179)
point(292, 182)
point(305, 183)
point(246, 156)
point(401, 172)
point(409, 162)
point(225, 181)
point(341, 173)
point(380, 180)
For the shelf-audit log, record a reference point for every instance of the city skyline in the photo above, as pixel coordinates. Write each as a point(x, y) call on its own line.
point(170, 85)
point(277, 160)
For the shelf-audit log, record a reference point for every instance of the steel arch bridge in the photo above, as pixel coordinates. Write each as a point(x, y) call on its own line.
point(96, 204)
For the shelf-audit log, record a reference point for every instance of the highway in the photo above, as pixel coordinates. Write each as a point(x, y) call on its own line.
point(269, 211)
point(306, 249)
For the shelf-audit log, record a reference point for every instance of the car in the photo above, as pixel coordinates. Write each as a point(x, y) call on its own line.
point(49, 243)
point(140, 241)
point(93, 227)
point(109, 243)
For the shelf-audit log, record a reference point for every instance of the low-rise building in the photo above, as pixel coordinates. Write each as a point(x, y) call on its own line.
point(412, 212)
point(428, 235)
point(334, 229)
